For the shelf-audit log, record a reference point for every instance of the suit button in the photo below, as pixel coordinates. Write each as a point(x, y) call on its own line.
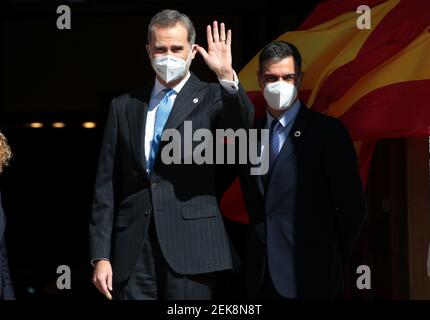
point(269, 217)
point(146, 212)
point(154, 185)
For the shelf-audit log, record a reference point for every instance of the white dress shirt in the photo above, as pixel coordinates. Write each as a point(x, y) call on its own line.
point(157, 95)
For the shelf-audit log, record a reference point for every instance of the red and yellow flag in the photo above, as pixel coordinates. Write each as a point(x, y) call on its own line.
point(377, 81)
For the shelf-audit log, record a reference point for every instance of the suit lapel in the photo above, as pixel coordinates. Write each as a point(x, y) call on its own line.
point(136, 118)
point(186, 101)
point(292, 143)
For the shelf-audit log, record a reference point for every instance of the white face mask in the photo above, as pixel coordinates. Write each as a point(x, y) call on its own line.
point(280, 95)
point(170, 68)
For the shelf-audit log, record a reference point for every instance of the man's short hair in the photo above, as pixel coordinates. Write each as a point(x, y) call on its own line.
point(278, 50)
point(168, 19)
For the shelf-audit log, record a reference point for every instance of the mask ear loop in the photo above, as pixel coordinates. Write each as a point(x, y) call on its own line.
point(191, 52)
point(299, 82)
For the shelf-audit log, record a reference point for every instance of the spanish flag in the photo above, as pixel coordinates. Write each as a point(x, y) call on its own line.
point(376, 81)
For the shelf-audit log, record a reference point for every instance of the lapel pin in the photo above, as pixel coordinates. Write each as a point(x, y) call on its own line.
point(195, 100)
point(297, 134)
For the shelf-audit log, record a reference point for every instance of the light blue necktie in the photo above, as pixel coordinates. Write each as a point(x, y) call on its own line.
point(163, 111)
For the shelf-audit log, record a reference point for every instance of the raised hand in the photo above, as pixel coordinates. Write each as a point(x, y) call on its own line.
point(218, 57)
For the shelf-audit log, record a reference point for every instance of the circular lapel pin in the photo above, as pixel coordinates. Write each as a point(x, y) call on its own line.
point(195, 100)
point(297, 134)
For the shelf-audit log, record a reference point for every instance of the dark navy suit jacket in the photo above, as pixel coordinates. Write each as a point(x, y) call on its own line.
point(305, 216)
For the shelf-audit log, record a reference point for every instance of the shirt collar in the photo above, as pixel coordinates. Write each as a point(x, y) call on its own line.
point(158, 87)
point(287, 116)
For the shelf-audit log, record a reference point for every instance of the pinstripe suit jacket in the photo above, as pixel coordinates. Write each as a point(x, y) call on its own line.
point(180, 198)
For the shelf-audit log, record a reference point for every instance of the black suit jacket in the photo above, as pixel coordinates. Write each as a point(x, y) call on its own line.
point(305, 220)
point(6, 289)
point(181, 199)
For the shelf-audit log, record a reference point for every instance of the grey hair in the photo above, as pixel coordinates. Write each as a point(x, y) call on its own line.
point(169, 18)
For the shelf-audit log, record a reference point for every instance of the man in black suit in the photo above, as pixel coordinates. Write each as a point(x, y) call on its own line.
point(156, 231)
point(306, 212)
point(6, 288)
